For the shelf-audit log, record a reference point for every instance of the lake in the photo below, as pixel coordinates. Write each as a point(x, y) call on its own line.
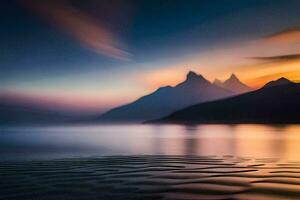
point(163, 162)
point(257, 141)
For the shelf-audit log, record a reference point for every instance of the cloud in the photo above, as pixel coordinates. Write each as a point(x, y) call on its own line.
point(81, 26)
point(289, 36)
point(280, 58)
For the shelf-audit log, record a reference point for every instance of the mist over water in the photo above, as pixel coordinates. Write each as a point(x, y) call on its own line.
point(255, 141)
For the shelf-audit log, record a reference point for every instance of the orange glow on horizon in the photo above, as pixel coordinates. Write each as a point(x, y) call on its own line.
point(254, 79)
point(162, 77)
point(257, 76)
point(254, 76)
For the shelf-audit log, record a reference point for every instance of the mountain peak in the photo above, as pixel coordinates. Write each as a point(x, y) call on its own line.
point(283, 79)
point(233, 79)
point(233, 76)
point(280, 81)
point(191, 76)
point(233, 83)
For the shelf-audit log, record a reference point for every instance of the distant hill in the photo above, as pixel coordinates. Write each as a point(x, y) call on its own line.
point(165, 100)
point(233, 84)
point(277, 102)
point(22, 113)
point(281, 81)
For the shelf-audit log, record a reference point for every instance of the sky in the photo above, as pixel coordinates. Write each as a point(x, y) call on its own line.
point(93, 55)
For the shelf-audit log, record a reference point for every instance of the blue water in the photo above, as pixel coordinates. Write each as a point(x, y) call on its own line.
point(258, 141)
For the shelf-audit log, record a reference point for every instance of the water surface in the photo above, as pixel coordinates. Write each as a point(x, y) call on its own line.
point(161, 162)
point(255, 141)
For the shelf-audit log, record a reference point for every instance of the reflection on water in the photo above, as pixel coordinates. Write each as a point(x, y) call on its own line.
point(259, 141)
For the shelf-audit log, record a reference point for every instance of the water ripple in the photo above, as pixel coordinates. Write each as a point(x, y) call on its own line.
point(150, 177)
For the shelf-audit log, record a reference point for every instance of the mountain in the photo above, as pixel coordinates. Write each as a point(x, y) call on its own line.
point(165, 100)
point(281, 81)
point(233, 84)
point(277, 102)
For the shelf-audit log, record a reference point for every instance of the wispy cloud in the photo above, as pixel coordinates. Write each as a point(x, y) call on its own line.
point(291, 35)
point(280, 58)
point(81, 26)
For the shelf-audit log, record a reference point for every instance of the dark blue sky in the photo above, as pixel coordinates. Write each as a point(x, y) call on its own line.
point(43, 48)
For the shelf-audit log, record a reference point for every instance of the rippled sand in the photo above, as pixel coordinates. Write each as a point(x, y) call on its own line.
point(150, 177)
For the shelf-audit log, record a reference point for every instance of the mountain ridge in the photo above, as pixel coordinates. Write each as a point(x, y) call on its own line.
point(277, 103)
point(234, 84)
point(280, 81)
point(161, 102)
point(165, 100)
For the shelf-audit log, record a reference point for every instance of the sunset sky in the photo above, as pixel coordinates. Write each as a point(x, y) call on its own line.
point(93, 55)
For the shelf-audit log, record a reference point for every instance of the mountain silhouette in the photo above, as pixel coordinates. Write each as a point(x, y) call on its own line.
point(233, 84)
point(281, 81)
point(277, 102)
point(165, 100)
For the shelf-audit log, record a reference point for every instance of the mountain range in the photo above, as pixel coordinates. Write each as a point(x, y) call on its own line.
point(277, 102)
point(165, 100)
point(195, 100)
point(233, 84)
